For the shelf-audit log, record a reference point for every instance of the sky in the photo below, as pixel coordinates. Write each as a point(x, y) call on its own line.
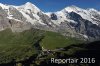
point(56, 5)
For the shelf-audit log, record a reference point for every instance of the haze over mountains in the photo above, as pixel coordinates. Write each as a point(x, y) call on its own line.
point(71, 21)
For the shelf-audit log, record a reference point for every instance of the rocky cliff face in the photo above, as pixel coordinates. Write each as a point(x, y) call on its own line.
point(71, 21)
point(16, 23)
point(3, 21)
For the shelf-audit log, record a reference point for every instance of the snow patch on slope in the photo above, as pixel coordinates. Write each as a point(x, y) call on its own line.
point(28, 7)
point(29, 19)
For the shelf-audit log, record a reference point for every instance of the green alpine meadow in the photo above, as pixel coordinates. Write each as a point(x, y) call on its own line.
point(22, 45)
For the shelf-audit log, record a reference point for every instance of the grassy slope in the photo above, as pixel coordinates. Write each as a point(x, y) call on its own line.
point(20, 46)
point(17, 46)
point(55, 40)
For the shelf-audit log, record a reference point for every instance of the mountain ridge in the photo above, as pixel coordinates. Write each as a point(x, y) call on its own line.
point(70, 21)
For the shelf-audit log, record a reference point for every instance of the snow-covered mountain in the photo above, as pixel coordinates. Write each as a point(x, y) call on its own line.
point(75, 20)
point(70, 21)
